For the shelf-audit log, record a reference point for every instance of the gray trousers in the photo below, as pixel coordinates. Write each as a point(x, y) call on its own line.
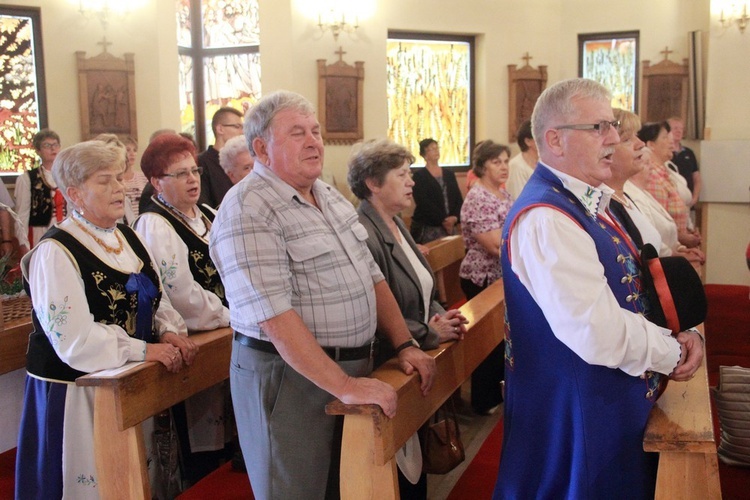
point(286, 437)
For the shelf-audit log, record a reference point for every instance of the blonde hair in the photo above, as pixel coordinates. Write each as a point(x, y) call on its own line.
point(630, 123)
point(75, 164)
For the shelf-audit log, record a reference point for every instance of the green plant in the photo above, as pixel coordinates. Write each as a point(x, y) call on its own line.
point(11, 281)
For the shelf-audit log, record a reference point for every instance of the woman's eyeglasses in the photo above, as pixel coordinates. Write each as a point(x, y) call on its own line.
point(182, 175)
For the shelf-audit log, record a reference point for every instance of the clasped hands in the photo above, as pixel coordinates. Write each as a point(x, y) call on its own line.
point(172, 351)
point(450, 326)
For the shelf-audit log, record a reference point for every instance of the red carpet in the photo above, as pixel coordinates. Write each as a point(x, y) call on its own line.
point(221, 484)
point(7, 474)
point(478, 480)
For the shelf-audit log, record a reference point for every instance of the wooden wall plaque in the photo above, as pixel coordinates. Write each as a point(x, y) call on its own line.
point(340, 101)
point(524, 87)
point(106, 86)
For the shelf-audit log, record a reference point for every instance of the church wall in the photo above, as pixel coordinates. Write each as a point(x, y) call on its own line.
point(505, 30)
point(727, 112)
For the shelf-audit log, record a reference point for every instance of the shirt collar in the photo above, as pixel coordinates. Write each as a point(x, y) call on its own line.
point(594, 199)
point(320, 189)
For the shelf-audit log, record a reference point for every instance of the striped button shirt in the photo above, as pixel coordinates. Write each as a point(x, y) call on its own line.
point(275, 252)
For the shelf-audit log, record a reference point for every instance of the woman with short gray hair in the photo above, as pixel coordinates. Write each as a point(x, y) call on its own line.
point(97, 305)
point(380, 176)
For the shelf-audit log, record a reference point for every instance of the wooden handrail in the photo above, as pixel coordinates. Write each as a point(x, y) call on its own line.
point(445, 251)
point(445, 260)
point(370, 440)
point(126, 396)
point(680, 429)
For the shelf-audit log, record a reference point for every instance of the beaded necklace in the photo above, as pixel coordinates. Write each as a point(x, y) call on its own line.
point(185, 218)
point(109, 249)
point(624, 201)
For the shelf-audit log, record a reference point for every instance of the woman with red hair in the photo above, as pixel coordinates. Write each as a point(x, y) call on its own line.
point(176, 229)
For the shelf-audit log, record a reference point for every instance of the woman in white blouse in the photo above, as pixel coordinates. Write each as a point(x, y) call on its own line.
point(176, 230)
point(632, 204)
point(98, 305)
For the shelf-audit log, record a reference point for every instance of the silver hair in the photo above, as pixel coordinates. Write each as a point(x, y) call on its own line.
point(258, 118)
point(557, 103)
point(231, 149)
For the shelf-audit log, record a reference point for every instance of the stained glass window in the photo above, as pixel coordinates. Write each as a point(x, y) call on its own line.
point(430, 93)
point(612, 60)
point(22, 98)
point(219, 60)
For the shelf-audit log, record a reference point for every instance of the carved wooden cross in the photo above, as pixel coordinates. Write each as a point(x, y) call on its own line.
point(666, 52)
point(104, 44)
point(341, 53)
point(527, 58)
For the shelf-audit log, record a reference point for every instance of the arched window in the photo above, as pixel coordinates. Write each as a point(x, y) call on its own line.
point(219, 49)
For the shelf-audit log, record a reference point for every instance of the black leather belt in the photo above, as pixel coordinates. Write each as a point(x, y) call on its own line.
point(335, 353)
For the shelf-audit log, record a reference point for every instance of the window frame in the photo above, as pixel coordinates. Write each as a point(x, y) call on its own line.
point(198, 54)
point(35, 14)
point(447, 38)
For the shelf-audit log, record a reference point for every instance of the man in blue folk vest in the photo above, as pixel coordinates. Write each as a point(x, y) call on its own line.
point(583, 364)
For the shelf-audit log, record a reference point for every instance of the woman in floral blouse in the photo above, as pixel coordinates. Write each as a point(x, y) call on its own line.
point(98, 305)
point(482, 217)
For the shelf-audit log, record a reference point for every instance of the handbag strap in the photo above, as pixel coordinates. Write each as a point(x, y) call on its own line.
point(448, 412)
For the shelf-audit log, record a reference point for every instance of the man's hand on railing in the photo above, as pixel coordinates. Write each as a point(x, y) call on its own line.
point(363, 390)
point(691, 356)
point(413, 358)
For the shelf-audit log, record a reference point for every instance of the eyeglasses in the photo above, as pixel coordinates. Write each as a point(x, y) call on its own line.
point(183, 174)
point(50, 145)
point(235, 126)
point(602, 127)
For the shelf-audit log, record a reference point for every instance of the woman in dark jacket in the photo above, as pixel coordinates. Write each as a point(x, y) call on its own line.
point(436, 195)
point(379, 175)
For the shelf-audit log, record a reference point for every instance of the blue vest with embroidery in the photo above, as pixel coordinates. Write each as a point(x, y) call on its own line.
point(571, 429)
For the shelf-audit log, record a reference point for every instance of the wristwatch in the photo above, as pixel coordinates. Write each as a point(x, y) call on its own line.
point(409, 343)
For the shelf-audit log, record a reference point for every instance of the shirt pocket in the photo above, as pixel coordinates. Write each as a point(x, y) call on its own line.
point(311, 260)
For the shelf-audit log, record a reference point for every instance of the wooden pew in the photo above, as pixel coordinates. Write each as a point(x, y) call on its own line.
point(680, 429)
point(370, 440)
point(127, 396)
point(445, 260)
point(14, 333)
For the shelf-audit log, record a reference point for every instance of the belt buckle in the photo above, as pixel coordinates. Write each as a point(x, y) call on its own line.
point(372, 348)
point(336, 353)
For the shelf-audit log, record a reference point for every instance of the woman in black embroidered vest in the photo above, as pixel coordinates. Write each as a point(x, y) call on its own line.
point(176, 231)
point(97, 305)
point(38, 201)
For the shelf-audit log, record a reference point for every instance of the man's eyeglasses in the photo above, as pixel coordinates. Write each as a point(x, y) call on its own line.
point(602, 127)
point(235, 126)
point(50, 145)
point(183, 174)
